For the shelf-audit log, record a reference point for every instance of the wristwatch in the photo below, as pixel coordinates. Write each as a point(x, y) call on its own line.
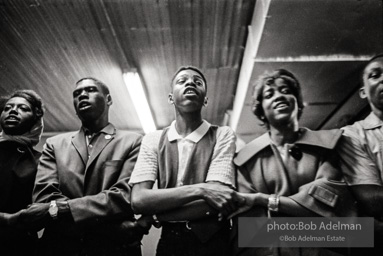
point(156, 222)
point(53, 210)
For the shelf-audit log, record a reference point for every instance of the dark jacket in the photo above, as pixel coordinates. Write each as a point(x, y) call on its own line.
point(97, 192)
point(18, 166)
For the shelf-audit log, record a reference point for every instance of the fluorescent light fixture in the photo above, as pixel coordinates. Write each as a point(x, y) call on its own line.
point(133, 84)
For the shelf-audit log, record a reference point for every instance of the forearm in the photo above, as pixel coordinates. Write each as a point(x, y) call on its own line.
point(108, 204)
point(290, 207)
point(151, 201)
point(191, 211)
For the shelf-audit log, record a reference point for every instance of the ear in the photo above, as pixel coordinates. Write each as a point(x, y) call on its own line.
point(170, 99)
point(362, 93)
point(253, 109)
point(205, 101)
point(109, 100)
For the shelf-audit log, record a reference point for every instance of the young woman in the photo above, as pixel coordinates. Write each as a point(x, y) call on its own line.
point(289, 171)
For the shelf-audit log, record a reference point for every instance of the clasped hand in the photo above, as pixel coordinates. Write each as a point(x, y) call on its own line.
point(222, 198)
point(35, 217)
point(133, 231)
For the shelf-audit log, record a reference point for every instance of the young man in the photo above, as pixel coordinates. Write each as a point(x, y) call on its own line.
point(81, 187)
point(361, 151)
point(192, 162)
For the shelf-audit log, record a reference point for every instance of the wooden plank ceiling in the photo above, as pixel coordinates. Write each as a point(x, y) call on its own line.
point(48, 45)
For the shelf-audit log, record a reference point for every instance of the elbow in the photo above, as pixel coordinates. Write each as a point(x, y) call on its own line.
point(138, 204)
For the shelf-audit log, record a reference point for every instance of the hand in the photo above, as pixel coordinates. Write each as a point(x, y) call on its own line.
point(248, 202)
point(133, 231)
point(10, 219)
point(222, 198)
point(144, 223)
point(36, 216)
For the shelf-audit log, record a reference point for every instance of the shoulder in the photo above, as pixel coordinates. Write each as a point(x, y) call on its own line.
point(127, 135)
point(152, 139)
point(355, 130)
point(251, 149)
point(62, 137)
point(224, 132)
point(327, 139)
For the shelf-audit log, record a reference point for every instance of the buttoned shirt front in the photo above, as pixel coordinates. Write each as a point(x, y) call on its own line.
point(93, 139)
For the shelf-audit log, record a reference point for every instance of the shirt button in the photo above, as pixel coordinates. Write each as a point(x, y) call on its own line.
point(90, 145)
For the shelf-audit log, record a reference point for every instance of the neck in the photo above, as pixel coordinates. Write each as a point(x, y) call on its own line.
point(95, 125)
point(377, 112)
point(284, 134)
point(186, 123)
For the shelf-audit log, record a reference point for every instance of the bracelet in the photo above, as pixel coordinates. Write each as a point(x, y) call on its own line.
point(273, 204)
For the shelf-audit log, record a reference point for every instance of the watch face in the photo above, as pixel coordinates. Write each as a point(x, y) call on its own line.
point(53, 210)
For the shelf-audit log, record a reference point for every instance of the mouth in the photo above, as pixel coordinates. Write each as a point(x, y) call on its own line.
point(281, 105)
point(12, 118)
point(190, 91)
point(83, 105)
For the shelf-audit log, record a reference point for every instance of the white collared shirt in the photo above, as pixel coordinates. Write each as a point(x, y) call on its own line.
point(185, 146)
point(221, 168)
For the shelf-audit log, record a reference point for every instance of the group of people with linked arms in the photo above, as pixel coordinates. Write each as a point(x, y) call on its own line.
point(92, 191)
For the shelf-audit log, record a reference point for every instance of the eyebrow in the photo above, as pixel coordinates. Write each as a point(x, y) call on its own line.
point(85, 87)
point(194, 76)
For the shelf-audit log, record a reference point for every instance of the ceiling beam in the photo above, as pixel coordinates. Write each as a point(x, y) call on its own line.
point(253, 40)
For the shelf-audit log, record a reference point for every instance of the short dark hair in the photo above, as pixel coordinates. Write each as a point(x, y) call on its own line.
point(104, 87)
point(268, 78)
point(380, 55)
point(31, 96)
point(188, 68)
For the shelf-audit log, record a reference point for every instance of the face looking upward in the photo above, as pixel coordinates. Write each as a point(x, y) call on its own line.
point(89, 100)
point(17, 116)
point(279, 103)
point(373, 84)
point(189, 91)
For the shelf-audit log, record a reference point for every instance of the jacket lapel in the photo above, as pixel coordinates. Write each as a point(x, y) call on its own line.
point(78, 141)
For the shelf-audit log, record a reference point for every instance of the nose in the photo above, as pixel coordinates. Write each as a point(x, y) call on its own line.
point(83, 94)
point(278, 95)
point(190, 81)
point(13, 109)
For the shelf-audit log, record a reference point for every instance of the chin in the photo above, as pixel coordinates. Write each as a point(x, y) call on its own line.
point(12, 130)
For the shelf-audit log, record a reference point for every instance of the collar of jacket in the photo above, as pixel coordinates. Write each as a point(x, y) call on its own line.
point(325, 138)
point(371, 122)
